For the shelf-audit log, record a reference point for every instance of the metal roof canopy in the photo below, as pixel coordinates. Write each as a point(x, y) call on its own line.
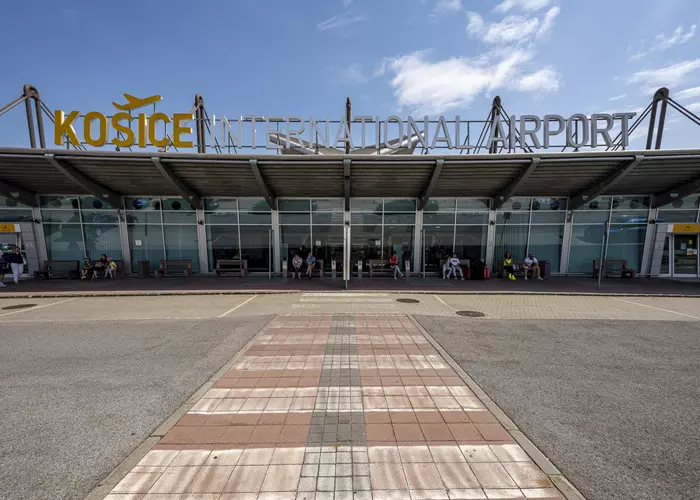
point(665, 173)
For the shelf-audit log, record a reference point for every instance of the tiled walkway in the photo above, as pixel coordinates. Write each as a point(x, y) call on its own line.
point(337, 407)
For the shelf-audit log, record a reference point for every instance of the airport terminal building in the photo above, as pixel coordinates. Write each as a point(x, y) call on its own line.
point(266, 192)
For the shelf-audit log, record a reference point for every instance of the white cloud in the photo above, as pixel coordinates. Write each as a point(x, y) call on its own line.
point(448, 6)
point(688, 93)
point(347, 3)
point(352, 74)
point(339, 21)
point(529, 5)
point(428, 87)
point(666, 76)
point(695, 107)
point(512, 29)
point(618, 97)
point(663, 42)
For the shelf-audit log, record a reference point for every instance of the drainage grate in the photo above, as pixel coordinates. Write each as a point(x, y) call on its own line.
point(18, 306)
point(408, 301)
point(471, 314)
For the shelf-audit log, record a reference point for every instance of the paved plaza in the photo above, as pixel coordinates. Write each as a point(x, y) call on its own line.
point(348, 395)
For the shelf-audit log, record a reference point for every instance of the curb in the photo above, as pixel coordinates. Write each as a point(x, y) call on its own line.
point(108, 483)
point(555, 476)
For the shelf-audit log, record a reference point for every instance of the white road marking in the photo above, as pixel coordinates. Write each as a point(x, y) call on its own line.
point(38, 307)
point(444, 303)
point(236, 307)
point(347, 295)
point(344, 300)
point(657, 308)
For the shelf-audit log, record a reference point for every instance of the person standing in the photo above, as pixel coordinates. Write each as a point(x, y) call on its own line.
point(3, 270)
point(16, 263)
point(394, 264)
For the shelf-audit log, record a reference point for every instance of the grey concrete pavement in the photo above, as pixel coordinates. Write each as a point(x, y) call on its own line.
point(614, 404)
point(78, 397)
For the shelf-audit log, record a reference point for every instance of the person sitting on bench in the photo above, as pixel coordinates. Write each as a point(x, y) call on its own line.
point(508, 266)
point(454, 267)
point(531, 265)
point(394, 263)
point(296, 266)
point(111, 268)
point(310, 263)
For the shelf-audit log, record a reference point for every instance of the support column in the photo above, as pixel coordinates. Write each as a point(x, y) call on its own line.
point(276, 255)
point(418, 244)
point(202, 243)
point(491, 240)
point(39, 235)
point(566, 243)
point(649, 242)
point(125, 243)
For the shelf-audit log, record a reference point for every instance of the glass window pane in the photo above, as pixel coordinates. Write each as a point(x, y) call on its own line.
point(600, 203)
point(546, 243)
point(400, 218)
point(665, 257)
point(64, 241)
point(295, 219)
point(146, 243)
point(627, 243)
point(586, 243)
point(181, 244)
point(692, 201)
point(472, 204)
point(440, 205)
point(549, 217)
point(363, 219)
point(103, 239)
point(221, 218)
point(13, 215)
point(512, 218)
point(142, 203)
point(335, 218)
point(517, 204)
point(100, 217)
point(59, 202)
point(438, 218)
point(511, 239)
point(253, 204)
point(328, 245)
point(366, 242)
point(439, 243)
point(92, 203)
point(180, 217)
point(220, 204)
point(331, 205)
point(295, 239)
point(629, 216)
point(255, 246)
point(146, 217)
point(471, 242)
point(255, 218)
point(222, 243)
point(60, 216)
point(473, 218)
point(294, 205)
point(591, 216)
point(631, 202)
point(548, 204)
point(10, 202)
point(677, 215)
point(177, 204)
point(398, 240)
point(366, 205)
point(399, 205)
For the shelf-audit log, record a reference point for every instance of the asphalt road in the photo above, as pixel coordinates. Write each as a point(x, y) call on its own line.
point(77, 397)
point(614, 404)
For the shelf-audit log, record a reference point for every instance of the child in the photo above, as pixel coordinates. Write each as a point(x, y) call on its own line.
point(310, 263)
point(394, 263)
point(111, 268)
point(296, 265)
point(85, 270)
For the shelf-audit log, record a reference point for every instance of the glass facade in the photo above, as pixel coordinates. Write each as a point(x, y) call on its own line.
point(380, 227)
point(452, 225)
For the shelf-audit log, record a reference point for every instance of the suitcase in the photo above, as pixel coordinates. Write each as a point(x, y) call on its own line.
point(478, 271)
point(487, 273)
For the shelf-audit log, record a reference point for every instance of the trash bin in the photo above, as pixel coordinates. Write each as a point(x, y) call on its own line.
point(143, 269)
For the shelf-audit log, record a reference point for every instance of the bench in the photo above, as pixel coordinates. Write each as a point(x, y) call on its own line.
point(61, 269)
point(613, 268)
point(383, 267)
point(226, 266)
point(174, 268)
point(464, 264)
point(519, 268)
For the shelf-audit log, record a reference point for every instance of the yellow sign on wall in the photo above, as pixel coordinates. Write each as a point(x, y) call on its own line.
point(686, 228)
point(144, 134)
point(8, 228)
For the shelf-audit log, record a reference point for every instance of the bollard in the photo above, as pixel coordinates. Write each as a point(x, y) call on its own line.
point(284, 269)
point(333, 268)
point(408, 269)
point(359, 270)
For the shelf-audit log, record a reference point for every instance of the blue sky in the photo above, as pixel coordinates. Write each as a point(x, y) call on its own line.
point(274, 57)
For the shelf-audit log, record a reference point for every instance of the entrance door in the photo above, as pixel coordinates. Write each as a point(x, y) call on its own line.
point(685, 255)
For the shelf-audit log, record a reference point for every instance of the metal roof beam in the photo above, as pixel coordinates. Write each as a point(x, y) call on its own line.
point(509, 190)
point(676, 193)
point(16, 193)
point(347, 164)
point(185, 191)
point(262, 185)
point(599, 187)
point(89, 185)
point(428, 191)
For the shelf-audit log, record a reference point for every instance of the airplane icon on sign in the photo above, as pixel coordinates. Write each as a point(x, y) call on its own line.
point(135, 102)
